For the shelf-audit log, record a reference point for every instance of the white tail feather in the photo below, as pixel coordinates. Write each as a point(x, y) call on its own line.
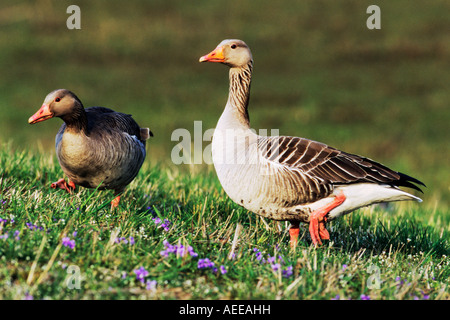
point(364, 194)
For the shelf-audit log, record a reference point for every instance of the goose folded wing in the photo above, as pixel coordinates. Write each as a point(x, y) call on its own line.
point(328, 165)
point(108, 119)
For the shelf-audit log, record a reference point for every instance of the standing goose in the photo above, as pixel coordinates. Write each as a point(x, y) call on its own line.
point(290, 178)
point(96, 146)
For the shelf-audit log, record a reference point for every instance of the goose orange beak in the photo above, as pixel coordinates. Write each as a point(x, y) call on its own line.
point(42, 114)
point(214, 56)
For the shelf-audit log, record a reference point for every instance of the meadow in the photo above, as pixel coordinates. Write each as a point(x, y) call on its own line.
point(319, 73)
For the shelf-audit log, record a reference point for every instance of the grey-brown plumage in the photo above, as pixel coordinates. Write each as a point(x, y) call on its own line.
point(325, 166)
point(96, 146)
point(290, 178)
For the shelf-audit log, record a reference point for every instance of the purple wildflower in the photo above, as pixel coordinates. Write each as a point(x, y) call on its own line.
point(33, 226)
point(125, 240)
point(156, 220)
point(205, 263)
point(160, 224)
point(166, 225)
point(275, 266)
point(140, 273)
point(178, 250)
point(344, 266)
point(192, 253)
point(400, 281)
point(68, 243)
point(28, 296)
point(259, 255)
point(288, 272)
point(424, 296)
point(223, 270)
point(337, 297)
point(364, 297)
point(270, 259)
point(151, 285)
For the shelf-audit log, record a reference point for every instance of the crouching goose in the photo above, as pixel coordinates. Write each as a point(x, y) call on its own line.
point(96, 146)
point(290, 178)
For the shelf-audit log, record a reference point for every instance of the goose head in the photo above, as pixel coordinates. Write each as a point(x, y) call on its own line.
point(58, 103)
point(232, 52)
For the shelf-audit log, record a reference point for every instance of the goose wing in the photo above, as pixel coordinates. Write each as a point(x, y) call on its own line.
point(326, 165)
point(106, 119)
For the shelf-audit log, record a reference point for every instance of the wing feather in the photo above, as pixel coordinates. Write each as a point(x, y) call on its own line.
point(321, 164)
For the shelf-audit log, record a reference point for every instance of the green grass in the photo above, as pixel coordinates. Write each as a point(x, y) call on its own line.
point(407, 244)
point(319, 73)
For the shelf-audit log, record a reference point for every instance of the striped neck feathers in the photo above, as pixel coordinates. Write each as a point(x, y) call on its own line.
point(239, 94)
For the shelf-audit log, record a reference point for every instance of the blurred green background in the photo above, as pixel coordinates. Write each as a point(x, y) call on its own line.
point(319, 72)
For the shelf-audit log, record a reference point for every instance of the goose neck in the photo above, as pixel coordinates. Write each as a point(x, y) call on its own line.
point(239, 93)
point(76, 121)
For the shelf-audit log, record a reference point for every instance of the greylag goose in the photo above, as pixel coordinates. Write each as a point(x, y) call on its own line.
point(290, 178)
point(96, 146)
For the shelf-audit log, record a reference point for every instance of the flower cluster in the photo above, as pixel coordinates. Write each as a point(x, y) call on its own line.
point(33, 227)
point(287, 272)
point(205, 263)
point(162, 224)
point(208, 264)
point(274, 264)
point(178, 250)
point(401, 282)
point(141, 273)
point(15, 235)
point(124, 240)
point(151, 285)
point(5, 221)
point(183, 251)
point(67, 242)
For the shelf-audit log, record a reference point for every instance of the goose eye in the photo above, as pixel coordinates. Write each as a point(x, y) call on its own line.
point(58, 99)
point(233, 46)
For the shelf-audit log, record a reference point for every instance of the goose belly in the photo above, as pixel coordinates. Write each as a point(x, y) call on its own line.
point(253, 183)
point(106, 163)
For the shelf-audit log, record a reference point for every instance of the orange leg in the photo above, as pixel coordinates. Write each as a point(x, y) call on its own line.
point(115, 202)
point(318, 219)
point(294, 232)
point(62, 184)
